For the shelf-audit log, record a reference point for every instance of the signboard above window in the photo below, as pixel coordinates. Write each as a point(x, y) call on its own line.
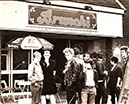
point(44, 16)
point(32, 17)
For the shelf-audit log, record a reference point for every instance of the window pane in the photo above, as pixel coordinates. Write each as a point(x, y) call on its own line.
point(20, 59)
point(3, 63)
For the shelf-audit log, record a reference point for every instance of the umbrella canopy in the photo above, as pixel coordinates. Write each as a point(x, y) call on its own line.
point(30, 42)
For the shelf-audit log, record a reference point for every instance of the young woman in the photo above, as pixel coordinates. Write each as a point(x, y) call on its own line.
point(49, 88)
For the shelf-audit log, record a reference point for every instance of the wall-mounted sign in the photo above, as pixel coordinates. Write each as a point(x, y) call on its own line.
point(32, 17)
point(45, 16)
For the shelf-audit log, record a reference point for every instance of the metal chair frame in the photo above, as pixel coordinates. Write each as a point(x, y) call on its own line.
point(4, 88)
point(58, 85)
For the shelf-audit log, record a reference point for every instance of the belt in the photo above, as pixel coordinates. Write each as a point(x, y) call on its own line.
point(39, 81)
point(100, 80)
point(89, 86)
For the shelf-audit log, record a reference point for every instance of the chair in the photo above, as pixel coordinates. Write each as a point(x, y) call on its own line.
point(17, 87)
point(21, 85)
point(58, 85)
point(5, 88)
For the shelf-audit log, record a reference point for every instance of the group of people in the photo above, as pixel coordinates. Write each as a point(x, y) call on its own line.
point(84, 77)
point(89, 78)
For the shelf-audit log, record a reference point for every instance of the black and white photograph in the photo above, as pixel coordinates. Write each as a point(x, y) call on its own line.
point(64, 52)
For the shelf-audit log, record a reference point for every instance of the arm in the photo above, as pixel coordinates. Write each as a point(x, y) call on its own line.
point(31, 73)
point(54, 67)
point(118, 82)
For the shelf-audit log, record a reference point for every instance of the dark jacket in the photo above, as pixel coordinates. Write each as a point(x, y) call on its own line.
point(71, 77)
point(113, 76)
point(100, 69)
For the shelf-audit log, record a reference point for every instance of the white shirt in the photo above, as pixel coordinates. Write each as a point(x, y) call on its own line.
point(90, 78)
point(35, 72)
point(113, 67)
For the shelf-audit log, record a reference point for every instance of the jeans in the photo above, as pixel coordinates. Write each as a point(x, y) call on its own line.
point(101, 93)
point(36, 92)
point(114, 92)
point(71, 95)
point(88, 95)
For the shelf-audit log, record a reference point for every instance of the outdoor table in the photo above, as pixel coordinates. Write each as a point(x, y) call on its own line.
point(23, 85)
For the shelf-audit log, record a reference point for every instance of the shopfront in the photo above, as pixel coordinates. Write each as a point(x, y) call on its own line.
point(90, 30)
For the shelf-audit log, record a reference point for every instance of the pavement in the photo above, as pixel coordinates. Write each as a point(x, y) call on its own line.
point(61, 99)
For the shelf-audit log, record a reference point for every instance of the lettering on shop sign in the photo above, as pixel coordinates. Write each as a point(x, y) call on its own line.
point(45, 16)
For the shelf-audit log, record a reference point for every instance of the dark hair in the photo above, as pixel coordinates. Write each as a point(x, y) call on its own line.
point(96, 55)
point(86, 53)
point(114, 59)
point(89, 61)
point(125, 48)
point(76, 50)
point(100, 56)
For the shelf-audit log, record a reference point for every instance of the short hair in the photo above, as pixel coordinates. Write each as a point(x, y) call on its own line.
point(100, 56)
point(67, 50)
point(114, 59)
point(97, 55)
point(36, 53)
point(76, 50)
point(90, 61)
point(86, 54)
point(47, 51)
point(125, 48)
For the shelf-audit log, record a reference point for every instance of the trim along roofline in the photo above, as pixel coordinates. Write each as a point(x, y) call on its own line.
point(76, 5)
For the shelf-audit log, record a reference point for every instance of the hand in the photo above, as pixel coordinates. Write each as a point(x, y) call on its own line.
point(54, 73)
point(36, 84)
point(64, 71)
point(105, 72)
point(119, 86)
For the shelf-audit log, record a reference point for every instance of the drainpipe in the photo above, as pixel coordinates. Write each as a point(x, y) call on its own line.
point(120, 4)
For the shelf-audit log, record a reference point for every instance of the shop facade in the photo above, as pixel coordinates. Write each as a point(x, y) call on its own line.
point(63, 26)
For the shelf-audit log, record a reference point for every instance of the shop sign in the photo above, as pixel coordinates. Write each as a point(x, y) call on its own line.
point(47, 16)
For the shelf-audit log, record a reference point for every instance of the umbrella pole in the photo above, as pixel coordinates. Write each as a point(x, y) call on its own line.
point(31, 55)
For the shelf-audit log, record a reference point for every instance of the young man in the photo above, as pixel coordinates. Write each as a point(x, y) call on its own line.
point(114, 82)
point(71, 73)
point(124, 57)
point(36, 77)
point(102, 76)
point(91, 82)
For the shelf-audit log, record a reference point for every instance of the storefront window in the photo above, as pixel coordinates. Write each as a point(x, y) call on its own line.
point(4, 59)
point(3, 62)
point(21, 59)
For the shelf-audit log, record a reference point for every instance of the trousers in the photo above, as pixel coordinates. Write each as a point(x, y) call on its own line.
point(88, 95)
point(36, 92)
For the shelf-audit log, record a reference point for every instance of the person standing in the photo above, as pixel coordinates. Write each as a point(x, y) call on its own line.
point(102, 77)
point(80, 61)
point(114, 82)
point(71, 73)
point(124, 57)
point(125, 79)
point(91, 83)
point(35, 76)
point(49, 88)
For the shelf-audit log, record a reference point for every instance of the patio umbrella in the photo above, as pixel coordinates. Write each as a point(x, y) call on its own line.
point(30, 43)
